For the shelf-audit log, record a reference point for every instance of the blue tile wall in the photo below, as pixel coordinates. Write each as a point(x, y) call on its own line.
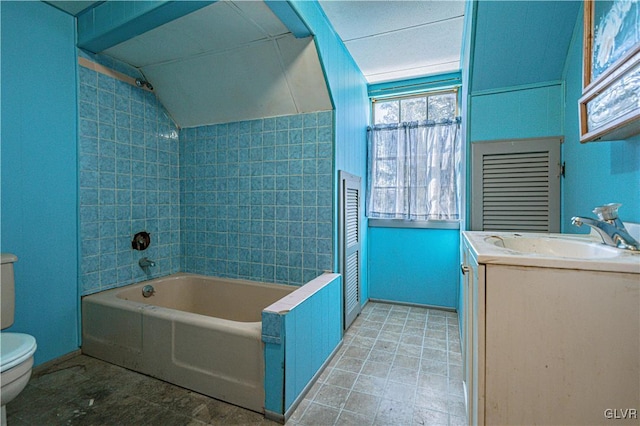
point(256, 198)
point(249, 199)
point(129, 182)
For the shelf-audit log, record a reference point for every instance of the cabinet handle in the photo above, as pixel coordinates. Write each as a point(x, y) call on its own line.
point(464, 268)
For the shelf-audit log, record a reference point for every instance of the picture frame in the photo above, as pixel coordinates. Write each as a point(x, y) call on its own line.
point(609, 108)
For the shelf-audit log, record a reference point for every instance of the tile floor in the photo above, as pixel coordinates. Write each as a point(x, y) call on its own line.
point(398, 365)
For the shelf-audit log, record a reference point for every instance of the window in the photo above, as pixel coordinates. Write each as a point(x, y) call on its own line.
point(414, 157)
point(433, 107)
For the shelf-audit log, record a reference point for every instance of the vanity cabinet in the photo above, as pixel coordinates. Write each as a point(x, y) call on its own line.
point(549, 345)
point(472, 346)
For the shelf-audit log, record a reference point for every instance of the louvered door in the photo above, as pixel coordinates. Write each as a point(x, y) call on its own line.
point(350, 244)
point(516, 185)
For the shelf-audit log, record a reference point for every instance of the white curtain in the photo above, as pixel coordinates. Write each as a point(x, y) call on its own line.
point(413, 171)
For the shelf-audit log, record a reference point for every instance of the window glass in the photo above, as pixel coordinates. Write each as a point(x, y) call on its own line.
point(437, 107)
point(442, 107)
point(386, 112)
point(413, 109)
point(413, 170)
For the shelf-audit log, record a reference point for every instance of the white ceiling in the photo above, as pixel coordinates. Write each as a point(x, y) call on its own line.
point(219, 27)
point(236, 60)
point(395, 40)
point(229, 61)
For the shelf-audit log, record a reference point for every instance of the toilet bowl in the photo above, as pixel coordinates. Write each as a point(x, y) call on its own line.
point(16, 349)
point(16, 360)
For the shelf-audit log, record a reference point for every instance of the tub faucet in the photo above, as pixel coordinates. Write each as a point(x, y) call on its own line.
point(146, 262)
point(609, 227)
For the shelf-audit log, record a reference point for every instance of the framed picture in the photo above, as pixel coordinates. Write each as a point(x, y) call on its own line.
point(610, 102)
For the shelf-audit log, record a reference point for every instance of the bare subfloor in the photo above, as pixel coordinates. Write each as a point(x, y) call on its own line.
point(398, 365)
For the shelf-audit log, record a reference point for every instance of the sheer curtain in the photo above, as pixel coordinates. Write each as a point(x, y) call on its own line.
point(413, 171)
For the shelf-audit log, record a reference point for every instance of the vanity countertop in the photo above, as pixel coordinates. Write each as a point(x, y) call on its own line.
point(483, 244)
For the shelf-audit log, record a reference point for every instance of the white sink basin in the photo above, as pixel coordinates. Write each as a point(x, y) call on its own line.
point(557, 247)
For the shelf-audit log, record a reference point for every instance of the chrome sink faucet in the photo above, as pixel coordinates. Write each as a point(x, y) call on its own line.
point(609, 227)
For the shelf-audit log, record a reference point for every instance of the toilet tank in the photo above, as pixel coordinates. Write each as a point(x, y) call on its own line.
point(7, 290)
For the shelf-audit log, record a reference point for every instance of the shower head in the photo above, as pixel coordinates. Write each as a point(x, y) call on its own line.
point(143, 83)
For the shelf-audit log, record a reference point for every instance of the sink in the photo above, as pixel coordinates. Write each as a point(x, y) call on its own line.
point(557, 247)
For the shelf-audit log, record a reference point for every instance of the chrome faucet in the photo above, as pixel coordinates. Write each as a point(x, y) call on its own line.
point(146, 262)
point(609, 227)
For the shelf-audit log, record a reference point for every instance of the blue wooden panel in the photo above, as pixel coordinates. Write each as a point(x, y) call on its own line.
point(414, 265)
point(348, 89)
point(518, 113)
point(274, 377)
point(309, 333)
point(291, 364)
point(333, 310)
point(39, 172)
point(289, 17)
point(308, 343)
point(306, 334)
point(313, 342)
point(521, 42)
point(321, 340)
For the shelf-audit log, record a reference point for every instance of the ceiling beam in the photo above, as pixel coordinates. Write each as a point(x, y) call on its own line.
point(113, 22)
point(289, 17)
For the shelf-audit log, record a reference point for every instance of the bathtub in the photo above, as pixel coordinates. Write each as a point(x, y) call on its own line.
point(198, 332)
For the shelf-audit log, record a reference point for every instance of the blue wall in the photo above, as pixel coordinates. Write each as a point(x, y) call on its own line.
point(129, 182)
point(39, 172)
point(256, 198)
point(348, 89)
point(414, 265)
point(598, 172)
point(410, 265)
point(519, 112)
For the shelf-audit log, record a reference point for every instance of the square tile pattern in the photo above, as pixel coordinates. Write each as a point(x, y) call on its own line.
point(250, 199)
point(129, 182)
point(398, 365)
point(256, 198)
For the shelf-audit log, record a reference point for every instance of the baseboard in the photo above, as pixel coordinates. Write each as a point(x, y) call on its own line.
point(417, 305)
point(46, 365)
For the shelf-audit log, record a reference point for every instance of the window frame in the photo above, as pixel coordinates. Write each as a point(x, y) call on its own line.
point(425, 94)
point(405, 223)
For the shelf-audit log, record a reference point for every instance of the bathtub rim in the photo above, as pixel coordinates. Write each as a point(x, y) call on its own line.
point(110, 298)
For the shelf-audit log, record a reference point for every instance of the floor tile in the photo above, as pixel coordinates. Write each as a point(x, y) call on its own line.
point(411, 374)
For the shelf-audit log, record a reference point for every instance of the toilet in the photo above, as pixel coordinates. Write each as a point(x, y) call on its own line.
point(16, 349)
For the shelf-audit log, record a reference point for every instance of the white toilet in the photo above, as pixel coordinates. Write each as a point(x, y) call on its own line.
point(16, 349)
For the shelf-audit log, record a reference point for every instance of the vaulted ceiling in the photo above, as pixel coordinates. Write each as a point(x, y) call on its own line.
point(234, 59)
point(229, 61)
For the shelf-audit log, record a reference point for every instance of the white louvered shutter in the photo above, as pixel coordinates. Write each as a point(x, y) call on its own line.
point(516, 185)
point(350, 244)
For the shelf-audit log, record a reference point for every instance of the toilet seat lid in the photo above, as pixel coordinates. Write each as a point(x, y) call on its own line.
point(15, 348)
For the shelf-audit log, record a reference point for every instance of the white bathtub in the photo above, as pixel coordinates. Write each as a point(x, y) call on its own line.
point(198, 332)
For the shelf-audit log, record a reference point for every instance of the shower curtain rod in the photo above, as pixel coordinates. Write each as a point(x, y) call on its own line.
point(114, 74)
